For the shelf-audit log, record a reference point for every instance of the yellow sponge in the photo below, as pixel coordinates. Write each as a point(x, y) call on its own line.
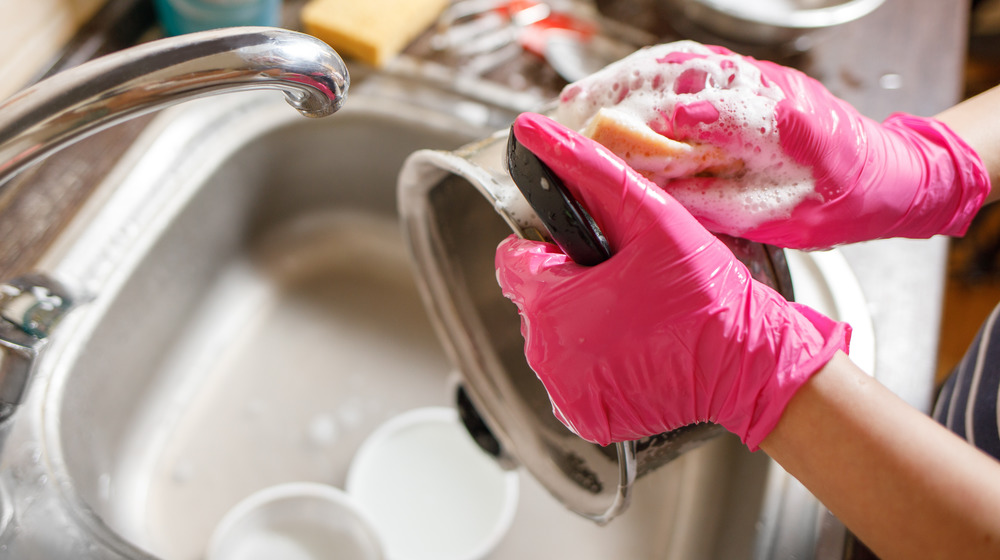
point(372, 31)
point(653, 155)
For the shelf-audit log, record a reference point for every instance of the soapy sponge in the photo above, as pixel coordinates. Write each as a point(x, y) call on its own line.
point(653, 155)
point(372, 31)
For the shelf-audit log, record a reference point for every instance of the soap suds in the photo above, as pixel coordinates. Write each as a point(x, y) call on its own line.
point(709, 101)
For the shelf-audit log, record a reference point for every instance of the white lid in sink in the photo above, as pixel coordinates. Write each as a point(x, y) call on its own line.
point(431, 493)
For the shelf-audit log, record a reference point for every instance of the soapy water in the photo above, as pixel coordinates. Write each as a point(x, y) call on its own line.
point(689, 92)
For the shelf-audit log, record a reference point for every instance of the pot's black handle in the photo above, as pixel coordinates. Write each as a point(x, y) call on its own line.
point(568, 223)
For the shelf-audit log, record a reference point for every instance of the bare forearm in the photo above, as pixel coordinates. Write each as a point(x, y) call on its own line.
point(905, 485)
point(977, 121)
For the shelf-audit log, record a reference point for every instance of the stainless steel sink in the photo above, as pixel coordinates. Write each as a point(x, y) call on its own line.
point(250, 315)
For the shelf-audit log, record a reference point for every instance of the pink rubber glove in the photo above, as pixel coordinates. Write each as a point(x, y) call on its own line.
point(671, 330)
point(905, 177)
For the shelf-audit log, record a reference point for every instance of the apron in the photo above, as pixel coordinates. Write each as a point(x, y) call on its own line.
point(967, 402)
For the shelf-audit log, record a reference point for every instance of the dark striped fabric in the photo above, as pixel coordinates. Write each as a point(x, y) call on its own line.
point(967, 403)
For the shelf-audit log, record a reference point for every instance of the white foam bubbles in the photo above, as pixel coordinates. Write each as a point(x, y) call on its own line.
point(652, 83)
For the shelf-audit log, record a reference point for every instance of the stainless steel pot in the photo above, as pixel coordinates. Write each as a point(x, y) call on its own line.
point(456, 207)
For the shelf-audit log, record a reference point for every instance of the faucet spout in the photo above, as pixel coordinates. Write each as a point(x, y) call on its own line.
point(76, 103)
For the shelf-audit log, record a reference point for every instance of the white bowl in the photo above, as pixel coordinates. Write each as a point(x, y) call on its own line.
point(430, 491)
point(295, 521)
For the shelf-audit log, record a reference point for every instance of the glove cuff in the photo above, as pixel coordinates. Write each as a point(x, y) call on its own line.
point(789, 377)
point(954, 182)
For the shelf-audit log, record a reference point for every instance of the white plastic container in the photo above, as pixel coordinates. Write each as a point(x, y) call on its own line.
point(295, 521)
point(430, 491)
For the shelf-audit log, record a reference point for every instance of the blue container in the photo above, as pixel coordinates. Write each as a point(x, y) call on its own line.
point(187, 16)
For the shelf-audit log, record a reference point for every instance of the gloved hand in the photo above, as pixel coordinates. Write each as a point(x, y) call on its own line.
point(905, 177)
point(671, 330)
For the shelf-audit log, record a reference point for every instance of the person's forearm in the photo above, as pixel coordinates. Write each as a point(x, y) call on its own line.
point(977, 121)
point(901, 482)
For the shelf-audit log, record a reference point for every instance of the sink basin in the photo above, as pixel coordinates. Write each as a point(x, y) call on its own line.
point(250, 316)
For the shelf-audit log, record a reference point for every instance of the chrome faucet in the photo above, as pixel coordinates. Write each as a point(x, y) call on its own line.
point(76, 103)
point(93, 96)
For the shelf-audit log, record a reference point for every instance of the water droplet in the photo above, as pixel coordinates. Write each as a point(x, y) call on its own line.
point(323, 431)
point(890, 80)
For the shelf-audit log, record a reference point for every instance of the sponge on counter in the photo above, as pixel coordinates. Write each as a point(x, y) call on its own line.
point(372, 31)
